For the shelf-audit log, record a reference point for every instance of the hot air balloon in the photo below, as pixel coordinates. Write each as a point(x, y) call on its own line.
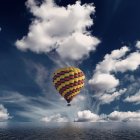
point(68, 82)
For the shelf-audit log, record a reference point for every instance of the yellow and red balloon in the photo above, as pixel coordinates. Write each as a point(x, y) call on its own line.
point(68, 82)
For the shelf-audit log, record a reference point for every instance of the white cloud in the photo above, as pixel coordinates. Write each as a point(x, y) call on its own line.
point(60, 28)
point(116, 54)
point(131, 63)
point(124, 116)
point(103, 81)
point(133, 98)
point(104, 78)
point(87, 116)
point(0, 29)
point(55, 118)
point(77, 46)
point(108, 98)
point(4, 115)
point(110, 60)
point(118, 62)
point(138, 44)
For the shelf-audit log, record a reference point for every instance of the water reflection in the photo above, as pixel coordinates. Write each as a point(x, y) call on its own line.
point(70, 131)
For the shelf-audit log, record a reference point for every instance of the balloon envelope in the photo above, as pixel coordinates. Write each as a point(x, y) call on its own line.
point(68, 82)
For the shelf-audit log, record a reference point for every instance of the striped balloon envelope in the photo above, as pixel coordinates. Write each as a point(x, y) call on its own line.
point(68, 82)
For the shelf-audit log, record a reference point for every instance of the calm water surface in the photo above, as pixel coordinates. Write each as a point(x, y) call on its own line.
point(70, 131)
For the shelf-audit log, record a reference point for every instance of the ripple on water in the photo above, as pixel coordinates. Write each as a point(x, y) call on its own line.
point(70, 131)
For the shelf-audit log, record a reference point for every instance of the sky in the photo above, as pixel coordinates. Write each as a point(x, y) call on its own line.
point(101, 37)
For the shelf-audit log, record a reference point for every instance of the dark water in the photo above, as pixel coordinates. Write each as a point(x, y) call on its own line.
point(70, 131)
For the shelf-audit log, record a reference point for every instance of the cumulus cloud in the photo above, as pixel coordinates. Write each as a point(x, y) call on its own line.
point(131, 63)
point(87, 116)
point(133, 98)
point(124, 116)
point(55, 118)
point(138, 44)
point(63, 29)
point(108, 98)
point(116, 62)
point(119, 61)
point(104, 79)
point(111, 60)
point(4, 115)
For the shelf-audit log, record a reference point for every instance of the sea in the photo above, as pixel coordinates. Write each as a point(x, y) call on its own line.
point(70, 131)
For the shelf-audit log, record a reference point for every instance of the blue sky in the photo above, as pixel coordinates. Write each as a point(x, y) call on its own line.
point(101, 37)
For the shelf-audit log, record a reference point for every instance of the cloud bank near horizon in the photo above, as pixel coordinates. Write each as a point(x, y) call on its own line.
point(4, 115)
point(88, 116)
